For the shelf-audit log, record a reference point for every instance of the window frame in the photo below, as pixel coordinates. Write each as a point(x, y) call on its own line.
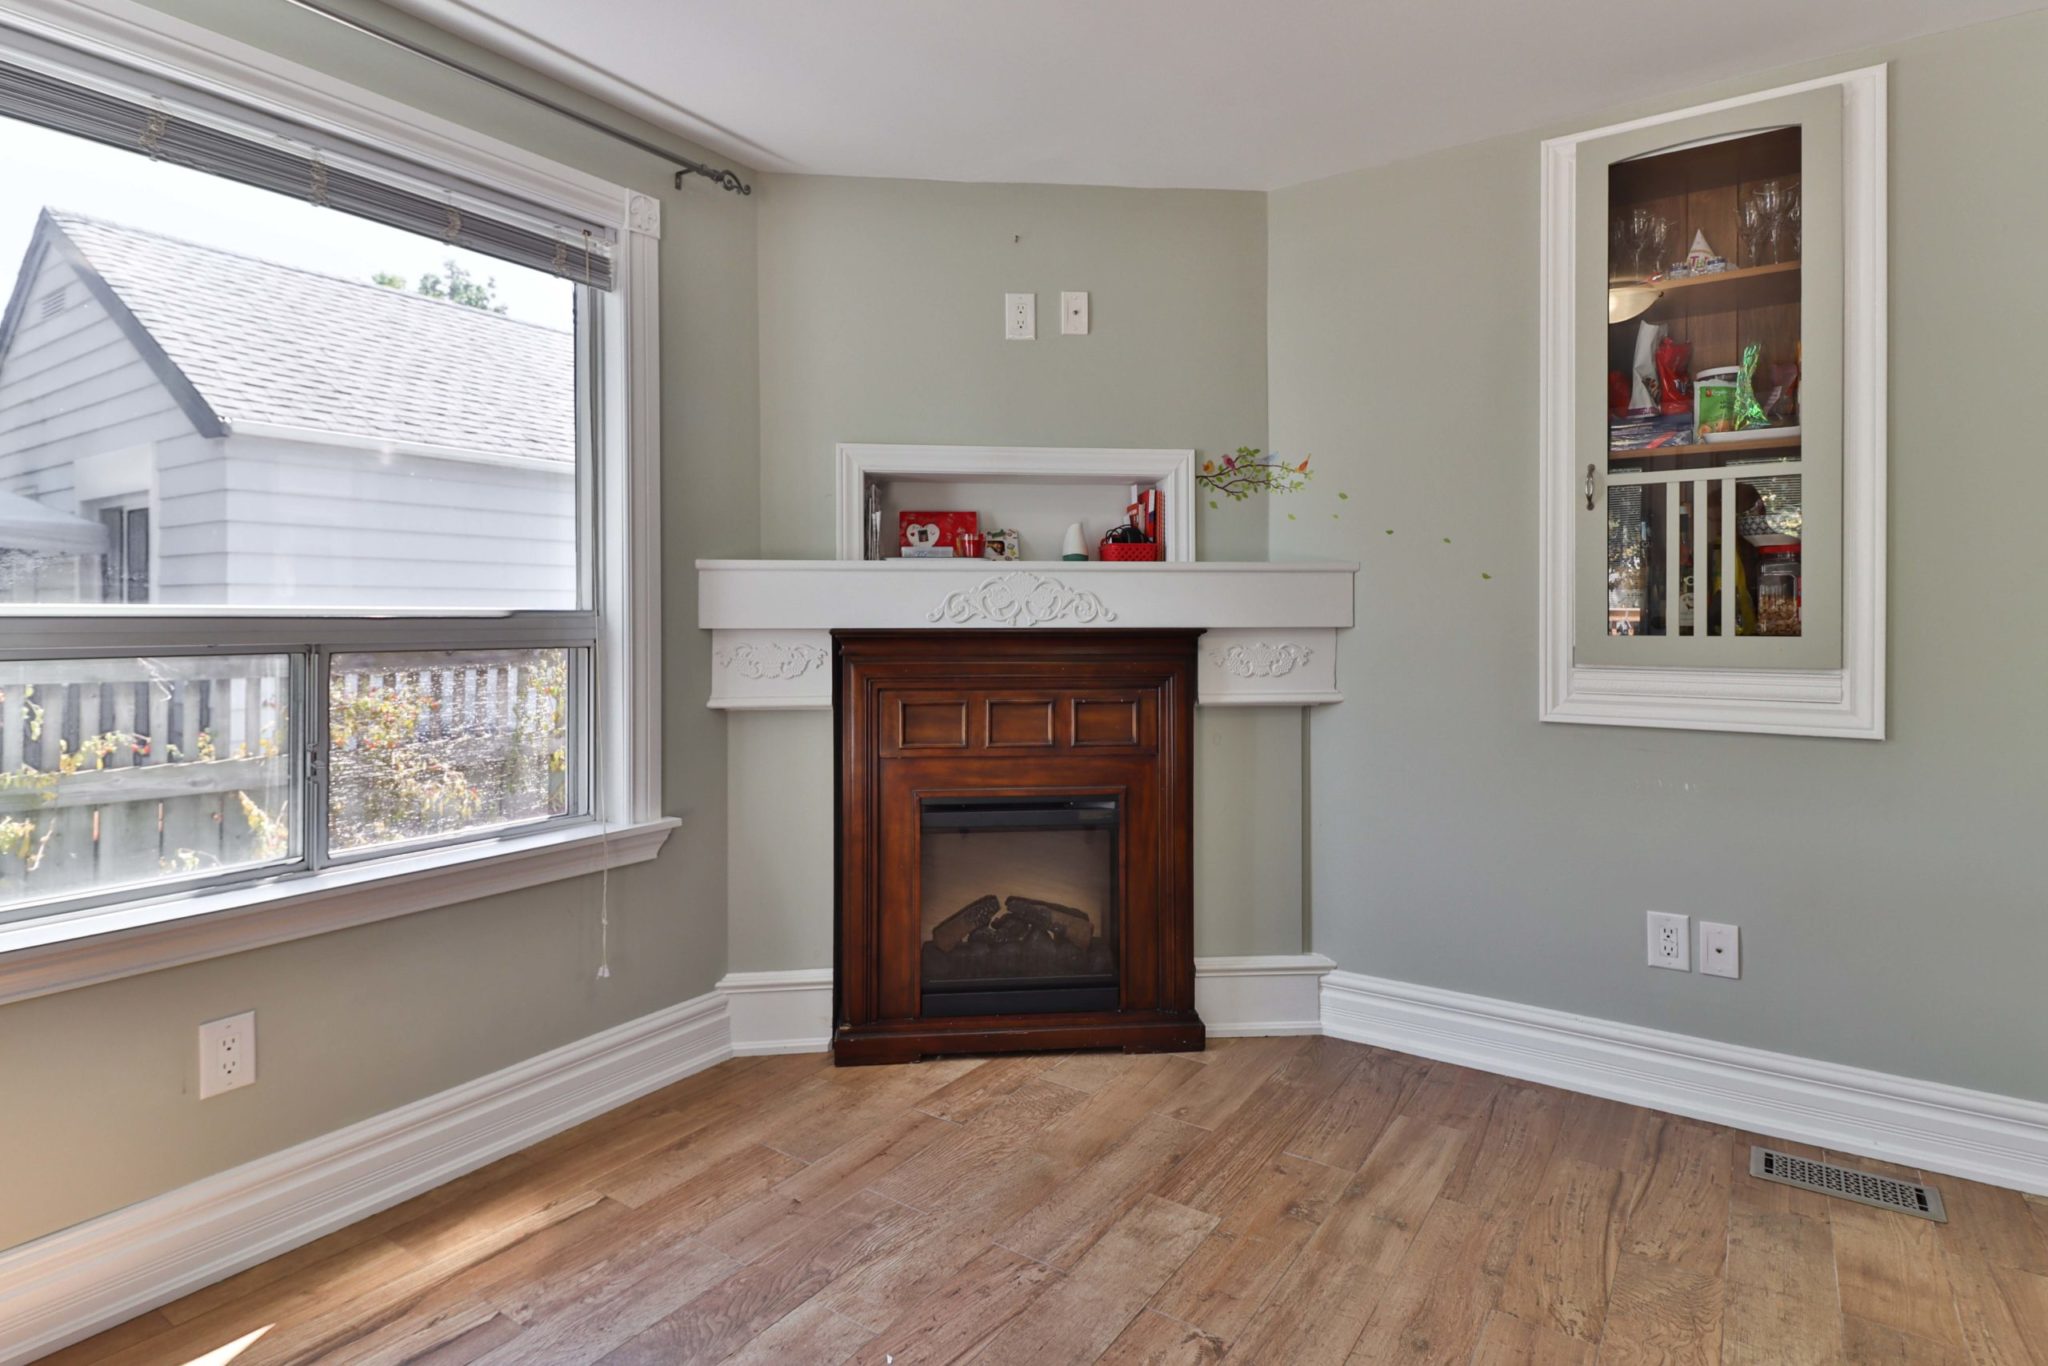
point(618, 623)
point(1843, 702)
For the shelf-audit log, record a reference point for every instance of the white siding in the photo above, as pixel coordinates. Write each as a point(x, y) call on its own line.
point(245, 520)
point(327, 526)
point(73, 387)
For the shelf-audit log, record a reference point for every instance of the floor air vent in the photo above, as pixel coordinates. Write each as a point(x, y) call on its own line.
point(1907, 1197)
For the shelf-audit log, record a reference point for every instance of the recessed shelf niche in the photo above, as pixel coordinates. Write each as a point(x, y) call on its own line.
point(1036, 491)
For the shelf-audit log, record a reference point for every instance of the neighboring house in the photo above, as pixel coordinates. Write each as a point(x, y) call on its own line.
point(180, 424)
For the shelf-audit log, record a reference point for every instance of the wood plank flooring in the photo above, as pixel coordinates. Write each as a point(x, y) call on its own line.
point(1288, 1201)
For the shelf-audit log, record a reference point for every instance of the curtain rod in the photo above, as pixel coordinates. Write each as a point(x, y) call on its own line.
point(727, 179)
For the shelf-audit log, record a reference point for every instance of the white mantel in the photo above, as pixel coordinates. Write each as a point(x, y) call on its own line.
point(1271, 629)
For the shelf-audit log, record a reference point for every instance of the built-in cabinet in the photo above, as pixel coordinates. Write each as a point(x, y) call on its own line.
point(1713, 411)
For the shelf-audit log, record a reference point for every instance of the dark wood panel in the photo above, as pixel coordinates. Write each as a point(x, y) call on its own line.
point(1108, 721)
point(931, 723)
point(1021, 722)
point(1008, 714)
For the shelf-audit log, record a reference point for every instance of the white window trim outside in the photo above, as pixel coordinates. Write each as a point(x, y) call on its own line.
point(65, 950)
point(1847, 702)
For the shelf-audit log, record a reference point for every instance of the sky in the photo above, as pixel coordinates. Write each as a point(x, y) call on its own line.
point(40, 168)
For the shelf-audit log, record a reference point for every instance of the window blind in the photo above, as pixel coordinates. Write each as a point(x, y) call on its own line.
point(331, 178)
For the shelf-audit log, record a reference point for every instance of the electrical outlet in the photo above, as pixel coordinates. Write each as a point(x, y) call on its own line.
point(1720, 949)
point(1074, 313)
point(227, 1054)
point(1020, 317)
point(1669, 936)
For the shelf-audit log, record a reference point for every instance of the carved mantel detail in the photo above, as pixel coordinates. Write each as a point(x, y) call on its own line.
point(1260, 659)
point(1020, 598)
point(770, 659)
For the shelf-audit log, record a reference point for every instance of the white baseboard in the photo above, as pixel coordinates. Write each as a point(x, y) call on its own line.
point(779, 1012)
point(1273, 994)
point(72, 1284)
point(1975, 1134)
point(791, 1012)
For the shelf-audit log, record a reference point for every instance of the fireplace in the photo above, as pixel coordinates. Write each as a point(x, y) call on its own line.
point(1041, 933)
point(1014, 842)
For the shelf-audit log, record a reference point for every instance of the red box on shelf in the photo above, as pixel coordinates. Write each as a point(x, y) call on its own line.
point(1130, 551)
point(934, 534)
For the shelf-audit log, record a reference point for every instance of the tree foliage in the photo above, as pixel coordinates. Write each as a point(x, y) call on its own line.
point(454, 283)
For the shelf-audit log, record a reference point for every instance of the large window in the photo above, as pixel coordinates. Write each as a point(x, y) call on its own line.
point(299, 470)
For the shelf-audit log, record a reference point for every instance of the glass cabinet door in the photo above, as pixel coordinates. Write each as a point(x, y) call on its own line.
point(1708, 327)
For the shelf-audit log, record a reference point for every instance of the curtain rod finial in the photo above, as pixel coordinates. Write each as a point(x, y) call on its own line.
point(727, 180)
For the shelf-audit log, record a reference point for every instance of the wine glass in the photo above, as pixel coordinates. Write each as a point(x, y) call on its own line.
point(1752, 223)
point(1639, 221)
point(1770, 200)
point(1660, 235)
point(1792, 220)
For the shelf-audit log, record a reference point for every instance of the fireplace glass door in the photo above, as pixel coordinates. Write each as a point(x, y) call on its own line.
point(1019, 899)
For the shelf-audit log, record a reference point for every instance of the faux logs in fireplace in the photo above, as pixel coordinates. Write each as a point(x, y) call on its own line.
point(1015, 859)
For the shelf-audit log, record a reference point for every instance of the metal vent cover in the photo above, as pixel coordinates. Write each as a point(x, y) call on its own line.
point(54, 301)
point(1866, 1188)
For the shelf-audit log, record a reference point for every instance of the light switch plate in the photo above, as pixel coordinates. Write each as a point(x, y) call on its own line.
point(1074, 312)
point(1720, 949)
point(1020, 317)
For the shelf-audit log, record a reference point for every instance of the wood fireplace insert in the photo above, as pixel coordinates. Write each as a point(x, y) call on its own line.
point(1015, 842)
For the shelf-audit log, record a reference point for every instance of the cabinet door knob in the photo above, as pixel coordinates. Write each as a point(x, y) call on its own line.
point(1589, 488)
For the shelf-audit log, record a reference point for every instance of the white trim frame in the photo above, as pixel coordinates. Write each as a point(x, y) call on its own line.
point(625, 823)
point(1172, 470)
point(1848, 702)
point(791, 1011)
point(1998, 1139)
point(156, 42)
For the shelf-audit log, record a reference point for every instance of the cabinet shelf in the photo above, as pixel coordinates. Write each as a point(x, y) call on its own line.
point(1748, 287)
point(1720, 448)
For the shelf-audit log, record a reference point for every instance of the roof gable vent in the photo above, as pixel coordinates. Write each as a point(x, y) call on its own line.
point(54, 302)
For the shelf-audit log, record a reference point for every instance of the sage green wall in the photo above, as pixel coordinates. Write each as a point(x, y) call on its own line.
point(101, 1105)
point(881, 320)
point(1891, 895)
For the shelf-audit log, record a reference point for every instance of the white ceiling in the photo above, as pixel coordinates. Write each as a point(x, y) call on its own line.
point(1237, 94)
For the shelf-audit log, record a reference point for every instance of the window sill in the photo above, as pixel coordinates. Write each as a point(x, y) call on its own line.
point(40, 957)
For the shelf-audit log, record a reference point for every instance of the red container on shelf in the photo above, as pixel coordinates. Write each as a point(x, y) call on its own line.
point(1130, 551)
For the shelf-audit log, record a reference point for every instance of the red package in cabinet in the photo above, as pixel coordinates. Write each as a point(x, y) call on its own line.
point(932, 535)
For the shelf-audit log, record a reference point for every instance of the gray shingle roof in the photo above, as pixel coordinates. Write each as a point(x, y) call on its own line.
point(263, 342)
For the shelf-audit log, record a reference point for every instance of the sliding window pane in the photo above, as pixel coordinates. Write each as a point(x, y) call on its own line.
point(434, 745)
point(118, 773)
point(213, 395)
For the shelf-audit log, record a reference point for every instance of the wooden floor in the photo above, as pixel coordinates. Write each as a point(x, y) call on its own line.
point(1272, 1200)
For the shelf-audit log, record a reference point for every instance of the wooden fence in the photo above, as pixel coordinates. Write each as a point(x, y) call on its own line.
point(131, 770)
